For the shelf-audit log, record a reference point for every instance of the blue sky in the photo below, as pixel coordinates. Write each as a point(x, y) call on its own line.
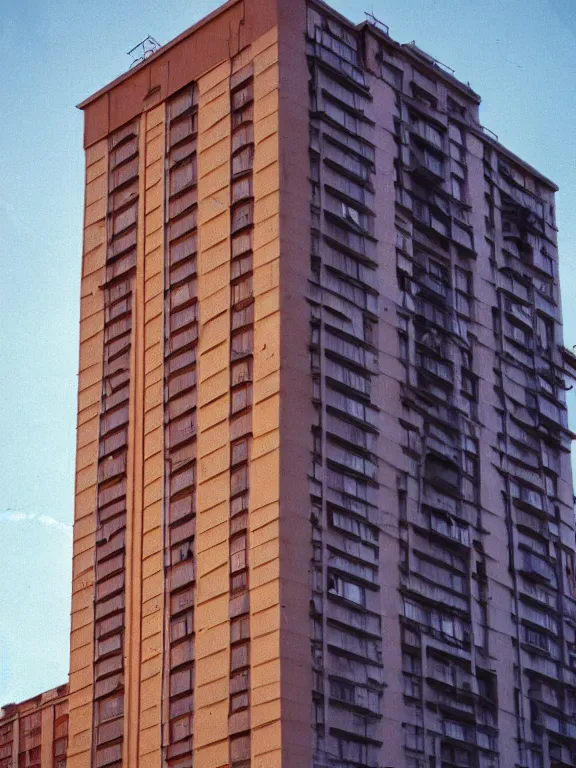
point(520, 55)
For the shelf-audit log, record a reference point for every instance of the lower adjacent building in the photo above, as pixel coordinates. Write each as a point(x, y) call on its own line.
point(34, 733)
point(324, 511)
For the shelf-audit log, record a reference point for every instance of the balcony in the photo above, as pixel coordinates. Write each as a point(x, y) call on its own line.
point(545, 305)
point(527, 520)
point(428, 133)
point(453, 676)
point(435, 593)
point(550, 412)
point(543, 262)
point(523, 473)
point(440, 369)
point(541, 665)
point(428, 167)
point(455, 532)
point(507, 283)
point(519, 311)
point(561, 755)
point(435, 285)
point(544, 694)
point(531, 565)
point(463, 237)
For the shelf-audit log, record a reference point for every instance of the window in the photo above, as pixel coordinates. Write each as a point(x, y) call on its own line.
point(346, 589)
point(551, 458)
point(544, 332)
point(239, 480)
point(244, 115)
point(242, 292)
point(457, 153)
point(420, 210)
point(527, 495)
point(433, 163)
point(463, 236)
point(414, 738)
point(432, 365)
point(437, 270)
point(412, 688)
point(439, 575)
point(457, 730)
point(342, 690)
point(442, 524)
point(242, 344)
point(239, 452)
point(403, 345)
point(536, 638)
point(241, 244)
point(241, 266)
point(183, 129)
point(469, 465)
point(463, 280)
point(544, 262)
point(519, 335)
point(411, 664)
point(242, 137)
point(426, 98)
point(242, 216)
point(356, 751)
point(351, 214)
point(551, 486)
point(454, 131)
point(351, 189)
point(463, 286)
point(341, 116)
point(242, 317)
point(489, 211)
point(111, 707)
point(242, 97)
point(241, 189)
point(455, 755)
point(457, 188)
point(238, 701)
point(182, 176)
point(439, 470)
point(469, 384)
point(243, 161)
point(434, 135)
point(545, 288)
point(462, 304)
point(456, 108)
point(241, 372)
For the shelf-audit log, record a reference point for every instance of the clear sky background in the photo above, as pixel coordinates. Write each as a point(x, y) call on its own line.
point(520, 55)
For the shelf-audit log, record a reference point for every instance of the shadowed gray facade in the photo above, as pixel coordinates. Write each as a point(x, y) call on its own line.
point(442, 512)
point(324, 508)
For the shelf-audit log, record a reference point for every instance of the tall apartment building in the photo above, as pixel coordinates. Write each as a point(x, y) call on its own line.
point(324, 512)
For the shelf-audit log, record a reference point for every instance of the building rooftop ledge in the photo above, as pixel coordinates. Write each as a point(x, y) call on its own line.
point(162, 50)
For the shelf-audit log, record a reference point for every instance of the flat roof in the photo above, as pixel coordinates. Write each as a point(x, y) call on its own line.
point(408, 49)
point(126, 75)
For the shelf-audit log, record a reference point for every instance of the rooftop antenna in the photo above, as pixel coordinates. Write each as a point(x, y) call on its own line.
point(143, 50)
point(376, 22)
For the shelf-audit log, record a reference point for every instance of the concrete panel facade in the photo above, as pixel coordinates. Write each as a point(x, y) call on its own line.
point(323, 507)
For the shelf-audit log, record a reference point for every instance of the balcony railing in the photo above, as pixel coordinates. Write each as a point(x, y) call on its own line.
point(435, 284)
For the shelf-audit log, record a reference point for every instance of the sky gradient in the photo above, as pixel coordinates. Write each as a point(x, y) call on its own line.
point(519, 55)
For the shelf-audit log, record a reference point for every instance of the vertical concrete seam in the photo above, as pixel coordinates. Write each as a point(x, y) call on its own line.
point(241, 89)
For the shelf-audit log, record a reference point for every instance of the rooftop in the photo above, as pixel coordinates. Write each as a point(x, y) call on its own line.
point(409, 50)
